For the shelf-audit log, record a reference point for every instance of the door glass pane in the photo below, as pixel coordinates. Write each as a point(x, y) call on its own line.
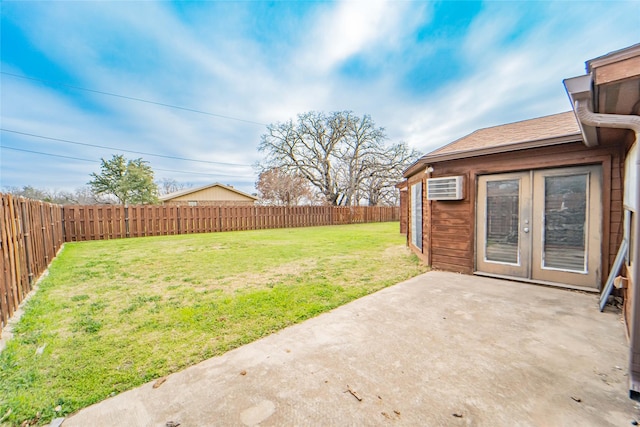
point(503, 211)
point(565, 213)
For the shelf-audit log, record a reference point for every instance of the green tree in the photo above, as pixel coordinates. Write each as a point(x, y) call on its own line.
point(129, 181)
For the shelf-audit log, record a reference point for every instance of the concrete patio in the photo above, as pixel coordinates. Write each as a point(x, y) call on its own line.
point(439, 349)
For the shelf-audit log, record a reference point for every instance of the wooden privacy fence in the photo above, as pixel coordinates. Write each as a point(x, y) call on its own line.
point(99, 222)
point(32, 231)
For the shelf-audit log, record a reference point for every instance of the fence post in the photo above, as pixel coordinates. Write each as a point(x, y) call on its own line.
point(126, 220)
point(63, 223)
point(45, 249)
point(27, 241)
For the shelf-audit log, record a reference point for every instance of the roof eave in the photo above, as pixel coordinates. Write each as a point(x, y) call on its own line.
point(539, 143)
point(186, 191)
point(613, 57)
point(204, 187)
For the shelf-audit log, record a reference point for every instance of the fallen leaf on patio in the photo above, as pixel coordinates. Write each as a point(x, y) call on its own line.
point(577, 399)
point(354, 393)
point(159, 382)
point(243, 372)
point(457, 415)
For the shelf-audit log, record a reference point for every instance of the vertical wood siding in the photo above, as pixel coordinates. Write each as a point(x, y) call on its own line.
point(450, 233)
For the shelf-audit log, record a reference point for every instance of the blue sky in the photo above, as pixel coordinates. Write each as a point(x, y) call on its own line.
point(428, 72)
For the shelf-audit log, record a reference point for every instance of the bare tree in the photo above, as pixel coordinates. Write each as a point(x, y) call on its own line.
point(277, 187)
point(360, 150)
point(340, 154)
point(86, 196)
point(384, 171)
point(170, 185)
point(308, 147)
point(81, 196)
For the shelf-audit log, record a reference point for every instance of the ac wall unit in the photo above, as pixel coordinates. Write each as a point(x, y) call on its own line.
point(449, 188)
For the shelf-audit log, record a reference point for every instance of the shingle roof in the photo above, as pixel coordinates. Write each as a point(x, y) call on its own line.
point(554, 126)
point(542, 131)
point(204, 187)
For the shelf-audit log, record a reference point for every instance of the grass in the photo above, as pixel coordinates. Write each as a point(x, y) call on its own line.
point(112, 315)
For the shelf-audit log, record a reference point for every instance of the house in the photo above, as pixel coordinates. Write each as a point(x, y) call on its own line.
point(209, 195)
point(487, 194)
point(606, 102)
point(551, 200)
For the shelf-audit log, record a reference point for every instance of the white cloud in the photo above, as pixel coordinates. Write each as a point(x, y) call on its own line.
point(355, 27)
point(214, 64)
point(511, 81)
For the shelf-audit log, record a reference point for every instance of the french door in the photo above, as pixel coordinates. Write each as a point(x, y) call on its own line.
point(542, 225)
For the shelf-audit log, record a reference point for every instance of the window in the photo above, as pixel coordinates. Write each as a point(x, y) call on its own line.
point(416, 215)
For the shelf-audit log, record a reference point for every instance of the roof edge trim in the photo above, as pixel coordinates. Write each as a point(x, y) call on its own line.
point(204, 187)
point(540, 143)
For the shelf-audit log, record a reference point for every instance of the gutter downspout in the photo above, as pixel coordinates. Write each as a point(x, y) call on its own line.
point(632, 122)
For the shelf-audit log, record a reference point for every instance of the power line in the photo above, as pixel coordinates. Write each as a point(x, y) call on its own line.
point(201, 173)
point(95, 161)
point(120, 149)
point(131, 98)
point(47, 154)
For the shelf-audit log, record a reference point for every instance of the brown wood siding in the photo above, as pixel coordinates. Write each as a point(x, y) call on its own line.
point(404, 209)
point(452, 234)
point(452, 226)
point(622, 70)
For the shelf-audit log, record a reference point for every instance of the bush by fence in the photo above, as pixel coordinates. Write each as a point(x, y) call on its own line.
point(32, 231)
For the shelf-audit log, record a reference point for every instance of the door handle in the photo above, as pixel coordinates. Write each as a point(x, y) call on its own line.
point(526, 229)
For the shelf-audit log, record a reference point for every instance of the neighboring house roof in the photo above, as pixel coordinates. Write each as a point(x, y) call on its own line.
point(184, 194)
point(540, 132)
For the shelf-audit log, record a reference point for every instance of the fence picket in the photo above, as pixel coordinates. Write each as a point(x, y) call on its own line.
point(32, 232)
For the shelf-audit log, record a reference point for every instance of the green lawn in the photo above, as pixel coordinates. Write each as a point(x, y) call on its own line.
point(115, 314)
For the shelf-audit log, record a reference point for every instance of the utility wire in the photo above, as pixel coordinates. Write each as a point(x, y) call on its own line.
point(202, 173)
point(4, 147)
point(47, 154)
point(131, 98)
point(120, 149)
